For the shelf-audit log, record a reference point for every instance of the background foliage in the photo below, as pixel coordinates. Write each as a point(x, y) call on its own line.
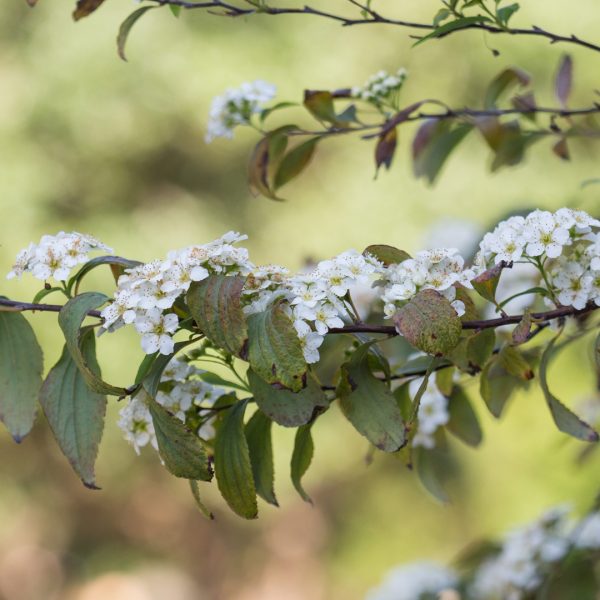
point(115, 149)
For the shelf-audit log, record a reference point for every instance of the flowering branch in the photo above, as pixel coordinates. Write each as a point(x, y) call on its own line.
point(373, 17)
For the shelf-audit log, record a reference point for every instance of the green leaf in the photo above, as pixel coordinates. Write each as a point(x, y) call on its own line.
point(152, 373)
point(431, 469)
point(463, 421)
point(274, 350)
point(461, 23)
point(233, 468)
point(195, 489)
point(515, 363)
point(388, 255)
point(74, 412)
point(486, 283)
point(180, 449)
point(505, 80)
point(444, 380)
point(215, 379)
point(566, 421)
point(215, 304)
point(126, 26)
point(434, 142)
point(280, 105)
point(112, 261)
point(480, 347)
point(287, 408)
point(265, 160)
point(506, 12)
point(320, 105)
point(85, 8)
point(369, 404)
point(294, 162)
point(70, 319)
point(21, 369)
point(301, 458)
point(496, 386)
point(176, 10)
point(441, 16)
point(429, 322)
point(260, 447)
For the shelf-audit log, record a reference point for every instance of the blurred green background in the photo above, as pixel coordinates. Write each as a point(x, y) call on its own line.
point(90, 143)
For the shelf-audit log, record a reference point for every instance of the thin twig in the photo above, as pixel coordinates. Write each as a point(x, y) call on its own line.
point(540, 317)
point(230, 10)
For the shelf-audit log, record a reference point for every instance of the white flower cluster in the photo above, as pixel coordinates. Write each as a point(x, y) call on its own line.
point(567, 238)
point(317, 299)
point(181, 391)
point(380, 87)
point(415, 581)
point(432, 413)
point(441, 269)
point(526, 556)
point(145, 294)
point(518, 570)
point(55, 256)
point(236, 107)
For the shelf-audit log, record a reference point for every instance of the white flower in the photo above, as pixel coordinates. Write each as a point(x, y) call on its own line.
point(310, 342)
point(380, 87)
point(55, 256)
point(155, 329)
point(236, 107)
point(414, 581)
point(572, 283)
point(325, 316)
point(433, 409)
point(544, 235)
point(136, 422)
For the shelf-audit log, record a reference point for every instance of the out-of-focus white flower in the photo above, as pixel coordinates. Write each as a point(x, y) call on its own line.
point(55, 256)
point(415, 581)
point(432, 413)
point(587, 534)
point(526, 557)
point(380, 87)
point(236, 107)
point(136, 423)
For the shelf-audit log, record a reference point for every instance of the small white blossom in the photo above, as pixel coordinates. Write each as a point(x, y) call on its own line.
point(380, 87)
point(136, 423)
point(236, 107)
point(55, 256)
point(156, 329)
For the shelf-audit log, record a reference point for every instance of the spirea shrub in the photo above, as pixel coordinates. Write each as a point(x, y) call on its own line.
point(405, 351)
